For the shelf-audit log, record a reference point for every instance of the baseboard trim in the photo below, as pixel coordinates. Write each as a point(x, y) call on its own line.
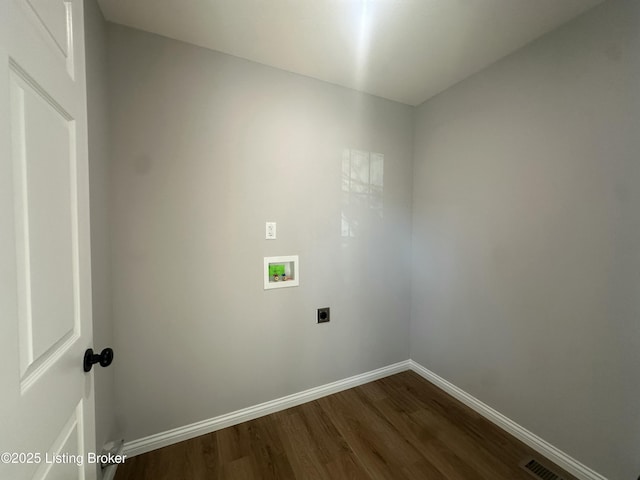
point(164, 439)
point(543, 447)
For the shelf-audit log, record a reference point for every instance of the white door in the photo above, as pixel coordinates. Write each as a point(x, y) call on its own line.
point(46, 400)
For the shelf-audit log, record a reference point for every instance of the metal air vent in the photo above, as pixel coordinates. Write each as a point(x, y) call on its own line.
point(536, 469)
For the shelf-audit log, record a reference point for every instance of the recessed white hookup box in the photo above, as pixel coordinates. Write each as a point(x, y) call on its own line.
point(281, 272)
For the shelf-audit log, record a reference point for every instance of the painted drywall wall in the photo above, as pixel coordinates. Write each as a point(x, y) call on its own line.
point(526, 283)
point(206, 148)
point(98, 136)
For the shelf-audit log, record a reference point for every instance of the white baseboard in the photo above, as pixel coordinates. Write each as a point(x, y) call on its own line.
point(543, 447)
point(163, 439)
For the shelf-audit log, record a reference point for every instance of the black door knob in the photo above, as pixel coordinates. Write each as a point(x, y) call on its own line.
point(104, 358)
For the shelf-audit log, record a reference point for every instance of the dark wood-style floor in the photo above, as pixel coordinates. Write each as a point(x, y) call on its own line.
point(400, 427)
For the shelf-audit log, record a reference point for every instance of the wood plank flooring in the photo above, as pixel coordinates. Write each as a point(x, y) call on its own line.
point(399, 427)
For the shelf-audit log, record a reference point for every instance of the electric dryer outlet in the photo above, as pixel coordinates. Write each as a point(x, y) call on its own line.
point(324, 315)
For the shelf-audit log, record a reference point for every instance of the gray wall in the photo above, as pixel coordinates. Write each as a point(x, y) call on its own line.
point(206, 148)
point(97, 108)
point(526, 228)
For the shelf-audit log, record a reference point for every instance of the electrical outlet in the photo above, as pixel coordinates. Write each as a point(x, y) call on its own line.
point(324, 315)
point(270, 233)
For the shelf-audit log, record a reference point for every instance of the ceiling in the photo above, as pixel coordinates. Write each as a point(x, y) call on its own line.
point(403, 50)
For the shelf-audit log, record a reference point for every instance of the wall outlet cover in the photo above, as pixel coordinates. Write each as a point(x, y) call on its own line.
point(270, 231)
point(324, 315)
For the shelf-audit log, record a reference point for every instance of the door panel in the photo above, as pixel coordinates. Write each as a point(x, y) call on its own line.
point(46, 400)
point(43, 162)
point(64, 457)
point(53, 15)
point(54, 20)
